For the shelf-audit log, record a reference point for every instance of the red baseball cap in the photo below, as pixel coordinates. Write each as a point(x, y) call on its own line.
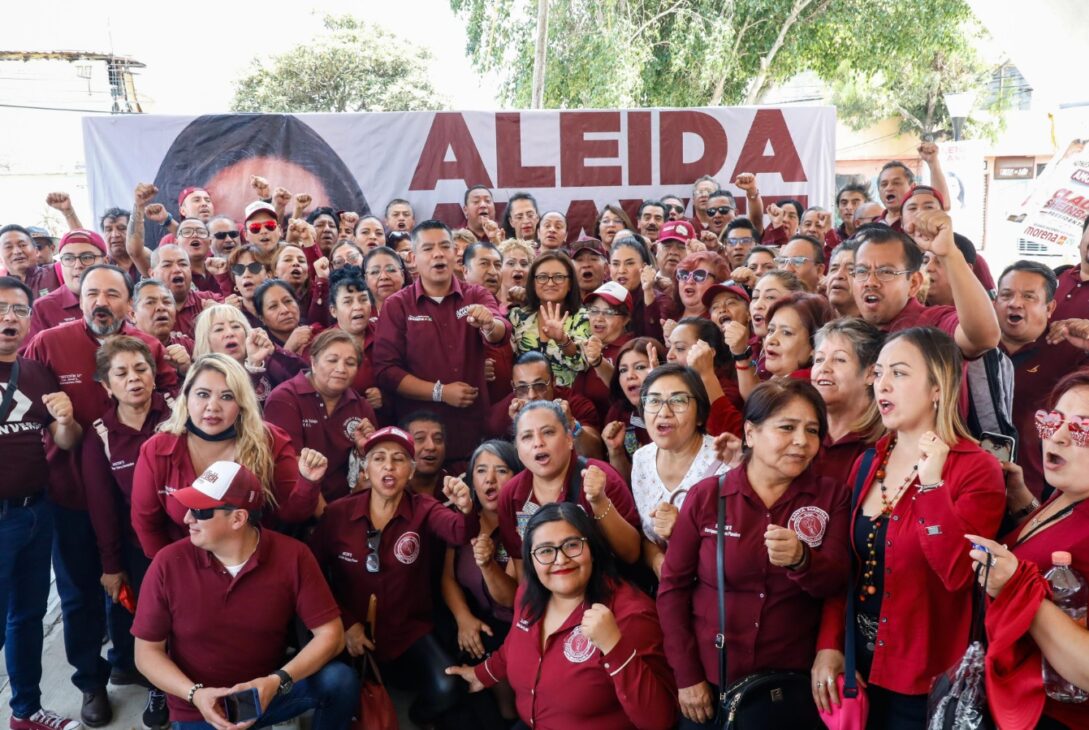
point(394, 434)
point(923, 190)
point(614, 294)
point(82, 235)
point(681, 231)
point(223, 484)
point(727, 286)
point(587, 244)
point(187, 192)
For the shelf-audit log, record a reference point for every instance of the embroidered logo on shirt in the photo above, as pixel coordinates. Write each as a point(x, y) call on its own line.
point(407, 548)
point(350, 426)
point(419, 318)
point(577, 648)
point(809, 524)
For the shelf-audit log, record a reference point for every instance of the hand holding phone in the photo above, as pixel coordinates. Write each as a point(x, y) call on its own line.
point(242, 706)
point(1000, 445)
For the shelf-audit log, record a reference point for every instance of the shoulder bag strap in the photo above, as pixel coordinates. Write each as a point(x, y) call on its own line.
point(9, 391)
point(850, 678)
point(574, 486)
point(104, 434)
point(720, 564)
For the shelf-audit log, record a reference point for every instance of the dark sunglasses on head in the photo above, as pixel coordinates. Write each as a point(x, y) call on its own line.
point(699, 275)
point(721, 210)
point(209, 512)
point(224, 235)
point(253, 267)
point(267, 225)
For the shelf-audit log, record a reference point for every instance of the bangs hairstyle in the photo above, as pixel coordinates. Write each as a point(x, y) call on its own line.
point(691, 380)
point(772, 396)
point(253, 443)
point(865, 342)
point(1076, 379)
point(618, 212)
point(603, 573)
point(813, 310)
point(513, 244)
point(114, 346)
point(636, 242)
point(348, 277)
point(944, 368)
point(502, 450)
point(912, 255)
point(263, 289)
point(788, 279)
point(572, 301)
point(387, 251)
point(202, 331)
point(640, 345)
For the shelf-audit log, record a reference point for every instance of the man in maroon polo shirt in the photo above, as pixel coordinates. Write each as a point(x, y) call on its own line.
point(429, 439)
point(1072, 296)
point(155, 313)
point(591, 264)
point(20, 259)
point(482, 262)
point(79, 250)
point(259, 582)
point(1026, 299)
point(478, 208)
point(170, 265)
point(430, 344)
point(672, 246)
point(114, 225)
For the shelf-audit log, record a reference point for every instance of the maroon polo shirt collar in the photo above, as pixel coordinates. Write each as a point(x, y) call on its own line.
point(362, 508)
point(419, 293)
point(205, 559)
point(737, 483)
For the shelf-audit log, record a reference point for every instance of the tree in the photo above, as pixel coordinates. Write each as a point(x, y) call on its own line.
point(351, 66)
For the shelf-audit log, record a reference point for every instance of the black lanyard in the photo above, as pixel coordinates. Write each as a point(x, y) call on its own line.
point(1053, 518)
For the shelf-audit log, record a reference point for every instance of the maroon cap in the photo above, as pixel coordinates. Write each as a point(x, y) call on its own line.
point(390, 433)
point(587, 244)
point(682, 231)
point(82, 235)
point(614, 294)
point(923, 190)
point(223, 484)
point(731, 286)
point(187, 192)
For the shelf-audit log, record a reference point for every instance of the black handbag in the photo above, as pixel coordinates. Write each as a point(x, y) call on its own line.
point(768, 699)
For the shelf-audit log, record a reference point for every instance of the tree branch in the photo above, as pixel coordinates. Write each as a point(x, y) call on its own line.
point(756, 88)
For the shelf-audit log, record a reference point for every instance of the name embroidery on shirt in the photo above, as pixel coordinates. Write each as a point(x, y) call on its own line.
point(419, 318)
point(462, 312)
point(577, 648)
point(70, 378)
point(168, 490)
point(407, 548)
point(727, 530)
point(347, 557)
point(809, 524)
point(309, 422)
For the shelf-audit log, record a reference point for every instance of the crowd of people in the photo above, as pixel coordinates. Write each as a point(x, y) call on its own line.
point(263, 455)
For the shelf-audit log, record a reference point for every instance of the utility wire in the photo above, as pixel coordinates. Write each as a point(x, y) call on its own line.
point(56, 109)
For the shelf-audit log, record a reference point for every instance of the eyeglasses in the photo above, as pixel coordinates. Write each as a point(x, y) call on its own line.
point(22, 311)
point(253, 267)
point(1048, 424)
point(791, 260)
point(883, 274)
point(192, 233)
point(374, 537)
point(209, 512)
point(675, 208)
point(86, 259)
point(554, 278)
point(699, 275)
point(740, 241)
point(379, 270)
point(572, 547)
point(350, 261)
point(603, 312)
point(721, 210)
point(678, 403)
point(224, 235)
point(267, 225)
point(523, 389)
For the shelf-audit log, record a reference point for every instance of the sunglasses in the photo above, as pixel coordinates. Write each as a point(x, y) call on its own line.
point(208, 512)
point(267, 225)
point(791, 260)
point(699, 275)
point(1048, 424)
point(224, 235)
point(721, 210)
point(374, 537)
point(252, 267)
point(675, 209)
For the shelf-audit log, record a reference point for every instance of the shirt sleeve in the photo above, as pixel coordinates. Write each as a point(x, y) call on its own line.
point(149, 517)
point(724, 418)
point(102, 496)
point(166, 377)
point(829, 564)
point(153, 620)
point(451, 525)
point(641, 675)
point(493, 670)
point(390, 347)
point(320, 544)
point(314, 603)
point(318, 312)
point(296, 496)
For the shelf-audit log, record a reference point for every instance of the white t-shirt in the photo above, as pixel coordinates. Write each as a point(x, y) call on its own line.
point(649, 490)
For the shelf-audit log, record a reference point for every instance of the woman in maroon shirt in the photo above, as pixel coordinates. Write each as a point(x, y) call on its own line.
point(609, 310)
point(927, 486)
point(746, 341)
point(786, 537)
point(697, 343)
point(245, 272)
point(842, 373)
point(351, 304)
point(280, 315)
point(311, 286)
point(632, 266)
point(695, 274)
point(217, 418)
point(587, 647)
point(787, 350)
point(386, 275)
point(625, 430)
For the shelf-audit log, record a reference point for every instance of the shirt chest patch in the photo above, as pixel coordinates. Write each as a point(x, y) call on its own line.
point(407, 548)
point(350, 426)
point(809, 524)
point(577, 648)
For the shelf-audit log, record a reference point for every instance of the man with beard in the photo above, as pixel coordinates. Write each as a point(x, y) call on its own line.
point(591, 264)
point(671, 247)
point(225, 236)
point(170, 265)
point(399, 216)
point(721, 208)
point(740, 237)
point(478, 208)
point(79, 250)
point(156, 313)
point(651, 218)
point(20, 259)
point(68, 351)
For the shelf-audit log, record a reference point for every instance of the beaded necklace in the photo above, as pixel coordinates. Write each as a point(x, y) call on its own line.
point(868, 587)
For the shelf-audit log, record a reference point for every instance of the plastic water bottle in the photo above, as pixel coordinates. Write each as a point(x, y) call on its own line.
point(1070, 593)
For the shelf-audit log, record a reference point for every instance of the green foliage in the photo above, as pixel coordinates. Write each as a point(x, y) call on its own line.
point(351, 66)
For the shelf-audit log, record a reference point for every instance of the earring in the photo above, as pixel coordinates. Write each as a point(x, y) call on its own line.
point(935, 405)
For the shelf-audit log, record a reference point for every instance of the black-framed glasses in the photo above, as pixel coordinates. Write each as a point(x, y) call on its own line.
point(721, 210)
point(572, 547)
point(791, 260)
point(208, 512)
point(22, 311)
point(740, 241)
point(224, 235)
point(883, 273)
point(523, 389)
point(374, 537)
point(554, 278)
point(88, 258)
point(699, 275)
point(678, 403)
point(193, 233)
point(254, 267)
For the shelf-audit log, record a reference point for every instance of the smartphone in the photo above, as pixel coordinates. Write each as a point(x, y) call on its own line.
point(242, 706)
point(1000, 445)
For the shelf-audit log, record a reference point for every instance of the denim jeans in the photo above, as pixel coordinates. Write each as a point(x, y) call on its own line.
point(25, 537)
point(118, 619)
point(78, 569)
point(333, 694)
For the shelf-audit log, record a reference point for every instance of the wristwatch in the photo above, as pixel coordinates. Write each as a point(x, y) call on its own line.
point(286, 682)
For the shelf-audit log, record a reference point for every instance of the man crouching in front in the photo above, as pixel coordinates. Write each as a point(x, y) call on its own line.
point(214, 614)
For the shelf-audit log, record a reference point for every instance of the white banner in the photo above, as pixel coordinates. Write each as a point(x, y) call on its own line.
point(1049, 221)
point(572, 161)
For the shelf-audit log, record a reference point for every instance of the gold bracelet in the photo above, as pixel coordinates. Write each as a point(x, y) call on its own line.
point(605, 514)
